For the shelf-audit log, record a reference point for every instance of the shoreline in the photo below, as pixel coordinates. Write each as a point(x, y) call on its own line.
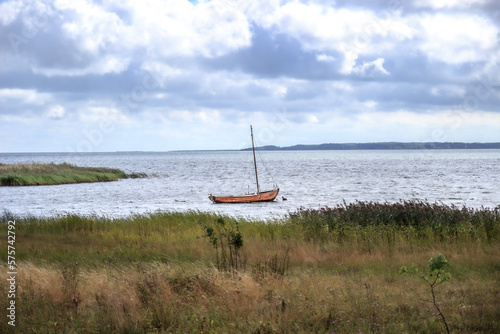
point(273, 216)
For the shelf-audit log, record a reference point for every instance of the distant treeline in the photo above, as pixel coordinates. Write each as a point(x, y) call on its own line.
point(382, 146)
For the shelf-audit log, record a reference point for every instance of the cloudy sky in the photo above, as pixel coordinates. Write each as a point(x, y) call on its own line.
point(160, 75)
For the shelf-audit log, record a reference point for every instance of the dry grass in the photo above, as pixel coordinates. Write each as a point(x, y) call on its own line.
point(153, 273)
point(196, 298)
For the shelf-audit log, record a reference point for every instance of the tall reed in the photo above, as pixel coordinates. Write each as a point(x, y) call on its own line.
point(412, 220)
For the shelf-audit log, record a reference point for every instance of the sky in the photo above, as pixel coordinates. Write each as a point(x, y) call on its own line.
point(160, 75)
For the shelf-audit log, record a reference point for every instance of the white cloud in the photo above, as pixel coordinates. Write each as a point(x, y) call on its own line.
point(371, 68)
point(14, 120)
point(448, 90)
point(181, 115)
point(97, 114)
point(370, 104)
point(316, 25)
point(9, 11)
point(208, 116)
point(337, 71)
point(312, 118)
point(341, 85)
point(275, 88)
point(437, 4)
point(99, 41)
point(177, 27)
point(93, 27)
point(56, 112)
point(159, 73)
point(350, 31)
point(104, 65)
point(281, 92)
point(442, 119)
point(325, 58)
point(23, 96)
point(204, 116)
point(458, 38)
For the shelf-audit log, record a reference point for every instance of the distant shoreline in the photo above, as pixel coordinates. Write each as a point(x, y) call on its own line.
point(318, 147)
point(381, 146)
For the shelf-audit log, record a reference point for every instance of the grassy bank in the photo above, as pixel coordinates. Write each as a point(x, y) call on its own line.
point(51, 174)
point(317, 271)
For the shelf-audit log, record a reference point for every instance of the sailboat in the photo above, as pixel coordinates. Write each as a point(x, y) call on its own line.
point(259, 196)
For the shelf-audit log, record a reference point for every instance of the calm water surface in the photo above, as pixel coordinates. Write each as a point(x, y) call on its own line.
point(180, 181)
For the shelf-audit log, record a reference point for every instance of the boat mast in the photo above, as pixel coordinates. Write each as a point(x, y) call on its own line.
point(254, 161)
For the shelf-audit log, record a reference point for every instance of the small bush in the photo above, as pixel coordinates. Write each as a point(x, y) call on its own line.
point(227, 242)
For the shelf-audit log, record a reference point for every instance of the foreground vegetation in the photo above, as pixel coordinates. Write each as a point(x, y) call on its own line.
point(317, 271)
point(51, 174)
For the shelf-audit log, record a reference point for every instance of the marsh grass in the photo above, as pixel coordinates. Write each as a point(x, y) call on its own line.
point(51, 174)
point(410, 220)
point(314, 272)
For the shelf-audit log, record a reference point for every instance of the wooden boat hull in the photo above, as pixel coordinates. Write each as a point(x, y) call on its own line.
point(266, 196)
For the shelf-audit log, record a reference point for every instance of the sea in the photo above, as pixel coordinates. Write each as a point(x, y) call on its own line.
point(182, 181)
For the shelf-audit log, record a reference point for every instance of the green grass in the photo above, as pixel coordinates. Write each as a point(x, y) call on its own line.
point(52, 174)
point(316, 271)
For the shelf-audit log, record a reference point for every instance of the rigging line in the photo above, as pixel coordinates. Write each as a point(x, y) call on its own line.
point(267, 170)
point(263, 164)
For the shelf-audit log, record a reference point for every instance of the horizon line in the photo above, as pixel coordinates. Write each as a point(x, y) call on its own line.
point(294, 147)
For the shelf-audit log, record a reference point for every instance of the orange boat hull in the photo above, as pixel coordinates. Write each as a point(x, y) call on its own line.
point(265, 196)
